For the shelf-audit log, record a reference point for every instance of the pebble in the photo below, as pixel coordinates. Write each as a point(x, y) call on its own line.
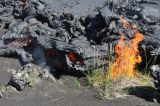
point(1, 95)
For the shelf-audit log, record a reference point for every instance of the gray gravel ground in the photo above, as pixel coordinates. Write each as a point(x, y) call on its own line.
point(60, 93)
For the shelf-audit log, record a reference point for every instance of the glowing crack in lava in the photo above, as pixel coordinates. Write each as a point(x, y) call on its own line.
point(127, 56)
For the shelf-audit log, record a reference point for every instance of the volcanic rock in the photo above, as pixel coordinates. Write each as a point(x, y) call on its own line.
point(1, 95)
point(156, 75)
point(67, 34)
point(27, 76)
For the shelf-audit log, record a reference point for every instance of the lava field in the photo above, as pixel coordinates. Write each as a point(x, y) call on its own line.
point(69, 34)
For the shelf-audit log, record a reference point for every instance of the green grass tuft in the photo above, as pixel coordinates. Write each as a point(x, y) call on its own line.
point(121, 87)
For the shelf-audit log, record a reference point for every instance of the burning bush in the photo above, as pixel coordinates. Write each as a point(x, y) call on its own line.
point(127, 54)
point(121, 74)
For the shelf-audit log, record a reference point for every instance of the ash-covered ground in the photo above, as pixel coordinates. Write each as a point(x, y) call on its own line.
point(67, 35)
point(63, 92)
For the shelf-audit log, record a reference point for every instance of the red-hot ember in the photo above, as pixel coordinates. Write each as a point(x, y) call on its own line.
point(72, 57)
point(50, 52)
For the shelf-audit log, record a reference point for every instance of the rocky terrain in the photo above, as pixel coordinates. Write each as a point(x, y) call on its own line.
point(59, 93)
point(51, 38)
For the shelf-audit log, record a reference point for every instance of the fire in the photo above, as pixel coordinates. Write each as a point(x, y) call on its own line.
point(127, 54)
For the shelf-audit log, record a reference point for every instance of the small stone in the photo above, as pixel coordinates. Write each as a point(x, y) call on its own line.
point(112, 25)
point(1, 95)
point(19, 85)
point(155, 72)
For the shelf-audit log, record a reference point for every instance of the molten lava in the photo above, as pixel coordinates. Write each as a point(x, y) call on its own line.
point(127, 55)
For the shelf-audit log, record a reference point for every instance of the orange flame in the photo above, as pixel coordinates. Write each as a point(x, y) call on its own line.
point(127, 55)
